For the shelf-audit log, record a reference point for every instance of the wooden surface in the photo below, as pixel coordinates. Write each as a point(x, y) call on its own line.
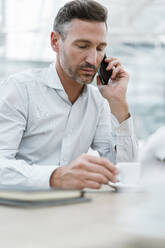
point(84, 225)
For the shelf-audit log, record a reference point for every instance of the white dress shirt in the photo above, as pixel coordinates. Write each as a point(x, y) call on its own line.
point(40, 129)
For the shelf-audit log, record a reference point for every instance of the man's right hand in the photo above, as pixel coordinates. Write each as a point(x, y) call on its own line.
point(86, 171)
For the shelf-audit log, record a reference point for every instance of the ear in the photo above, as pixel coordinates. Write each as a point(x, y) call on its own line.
point(55, 37)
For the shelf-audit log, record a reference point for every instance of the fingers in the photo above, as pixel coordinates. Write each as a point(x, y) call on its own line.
point(98, 166)
point(116, 66)
point(93, 180)
point(93, 176)
point(118, 72)
point(91, 185)
point(86, 184)
point(103, 162)
point(113, 63)
point(98, 173)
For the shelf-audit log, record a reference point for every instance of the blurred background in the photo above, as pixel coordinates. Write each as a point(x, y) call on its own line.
point(136, 35)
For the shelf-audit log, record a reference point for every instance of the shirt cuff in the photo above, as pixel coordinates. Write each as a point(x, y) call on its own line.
point(41, 175)
point(122, 129)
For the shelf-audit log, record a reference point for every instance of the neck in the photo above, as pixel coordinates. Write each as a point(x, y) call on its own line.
point(72, 88)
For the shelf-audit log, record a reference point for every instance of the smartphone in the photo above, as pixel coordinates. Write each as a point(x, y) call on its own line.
point(103, 73)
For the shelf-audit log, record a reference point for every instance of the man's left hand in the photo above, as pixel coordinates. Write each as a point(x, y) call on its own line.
point(115, 91)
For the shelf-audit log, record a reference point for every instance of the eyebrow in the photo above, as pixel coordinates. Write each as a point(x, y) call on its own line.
point(87, 41)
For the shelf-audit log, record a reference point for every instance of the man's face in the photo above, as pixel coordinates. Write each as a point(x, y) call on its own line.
point(82, 50)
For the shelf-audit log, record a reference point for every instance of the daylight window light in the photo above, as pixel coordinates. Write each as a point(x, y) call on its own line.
point(162, 39)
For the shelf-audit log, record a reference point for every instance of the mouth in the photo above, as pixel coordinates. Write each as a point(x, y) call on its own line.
point(88, 71)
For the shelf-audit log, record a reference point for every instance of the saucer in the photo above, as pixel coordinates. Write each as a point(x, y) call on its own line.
point(126, 187)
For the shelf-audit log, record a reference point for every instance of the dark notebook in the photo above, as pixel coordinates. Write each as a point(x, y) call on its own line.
point(31, 197)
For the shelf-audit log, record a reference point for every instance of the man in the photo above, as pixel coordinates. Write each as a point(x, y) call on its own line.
point(50, 117)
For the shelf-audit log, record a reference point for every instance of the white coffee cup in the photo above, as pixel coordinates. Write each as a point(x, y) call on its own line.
point(129, 172)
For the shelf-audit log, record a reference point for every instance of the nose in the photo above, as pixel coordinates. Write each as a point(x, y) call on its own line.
point(91, 57)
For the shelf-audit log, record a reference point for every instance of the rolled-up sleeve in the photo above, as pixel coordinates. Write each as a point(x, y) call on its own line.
point(125, 141)
point(115, 141)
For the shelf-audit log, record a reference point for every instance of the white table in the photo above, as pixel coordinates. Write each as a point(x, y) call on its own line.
point(84, 225)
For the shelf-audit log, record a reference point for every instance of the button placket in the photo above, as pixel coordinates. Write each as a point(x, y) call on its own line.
point(66, 143)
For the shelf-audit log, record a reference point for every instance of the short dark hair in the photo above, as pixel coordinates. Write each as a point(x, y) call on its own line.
point(89, 10)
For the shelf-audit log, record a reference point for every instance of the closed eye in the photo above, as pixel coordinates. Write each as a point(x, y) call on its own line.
point(100, 49)
point(82, 47)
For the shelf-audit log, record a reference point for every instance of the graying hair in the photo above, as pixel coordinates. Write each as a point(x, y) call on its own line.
point(89, 10)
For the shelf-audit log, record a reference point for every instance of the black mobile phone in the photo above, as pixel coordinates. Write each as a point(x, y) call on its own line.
point(103, 73)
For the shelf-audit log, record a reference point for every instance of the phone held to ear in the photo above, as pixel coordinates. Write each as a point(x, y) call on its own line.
point(103, 73)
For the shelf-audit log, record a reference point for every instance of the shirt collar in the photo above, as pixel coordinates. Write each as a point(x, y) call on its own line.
point(51, 78)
